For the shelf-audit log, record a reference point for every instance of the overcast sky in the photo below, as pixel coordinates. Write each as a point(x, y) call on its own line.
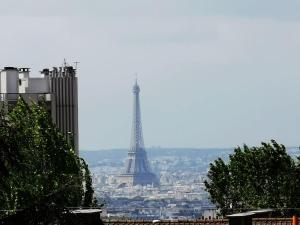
point(212, 73)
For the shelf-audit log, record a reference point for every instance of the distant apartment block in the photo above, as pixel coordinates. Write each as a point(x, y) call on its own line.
point(57, 87)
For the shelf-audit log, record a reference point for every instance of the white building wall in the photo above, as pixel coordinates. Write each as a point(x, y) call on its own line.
point(209, 214)
point(59, 89)
point(9, 81)
point(23, 81)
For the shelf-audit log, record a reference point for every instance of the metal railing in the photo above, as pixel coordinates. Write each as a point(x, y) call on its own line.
point(12, 97)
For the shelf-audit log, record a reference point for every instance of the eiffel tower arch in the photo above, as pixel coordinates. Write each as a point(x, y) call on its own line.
point(137, 168)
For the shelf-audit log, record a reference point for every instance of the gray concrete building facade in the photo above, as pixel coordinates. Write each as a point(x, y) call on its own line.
point(57, 87)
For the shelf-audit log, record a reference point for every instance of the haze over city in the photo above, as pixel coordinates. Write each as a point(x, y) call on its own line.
point(212, 74)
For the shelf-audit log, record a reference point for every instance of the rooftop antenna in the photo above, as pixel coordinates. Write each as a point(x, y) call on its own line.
point(76, 63)
point(65, 63)
point(136, 77)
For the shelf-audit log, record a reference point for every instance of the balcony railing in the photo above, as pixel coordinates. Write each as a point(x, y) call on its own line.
point(13, 97)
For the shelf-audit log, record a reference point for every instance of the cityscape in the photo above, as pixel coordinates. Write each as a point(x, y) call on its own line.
point(149, 112)
point(181, 194)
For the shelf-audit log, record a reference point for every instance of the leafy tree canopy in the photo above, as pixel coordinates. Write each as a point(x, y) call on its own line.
point(256, 177)
point(37, 164)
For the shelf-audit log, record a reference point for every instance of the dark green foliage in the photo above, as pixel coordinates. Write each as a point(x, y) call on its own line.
point(257, 177)
point(8, 150)
point(88, 195)
point(39, 167)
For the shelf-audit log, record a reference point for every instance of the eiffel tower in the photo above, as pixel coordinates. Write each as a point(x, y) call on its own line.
point(137, 168)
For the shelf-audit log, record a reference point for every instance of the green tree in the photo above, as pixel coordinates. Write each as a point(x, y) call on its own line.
point(47, 172)
point(257, 177)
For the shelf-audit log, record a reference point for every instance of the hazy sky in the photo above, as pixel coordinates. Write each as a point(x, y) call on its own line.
point(213, 73)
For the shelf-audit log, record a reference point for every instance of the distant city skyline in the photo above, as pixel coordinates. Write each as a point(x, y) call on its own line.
point(212, 73)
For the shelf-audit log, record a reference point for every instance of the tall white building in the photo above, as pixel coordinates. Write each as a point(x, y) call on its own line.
point(58, 87)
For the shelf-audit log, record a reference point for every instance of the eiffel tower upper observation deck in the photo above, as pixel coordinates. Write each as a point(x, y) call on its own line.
point(137, 168)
